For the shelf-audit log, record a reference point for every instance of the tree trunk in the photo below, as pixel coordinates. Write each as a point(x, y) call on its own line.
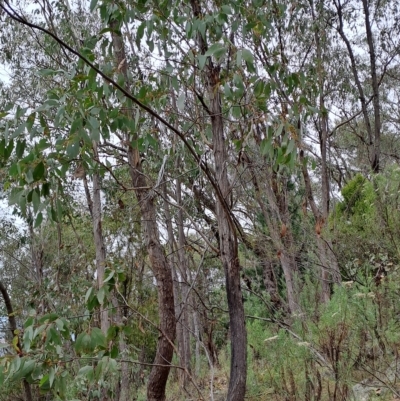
point(228, 243)
point(278, 227)
point(228, 246)
point(99, 240)
point(145, 196)
point(373, 146)
point(177, 290)
point(183, 263)
point(375, 163)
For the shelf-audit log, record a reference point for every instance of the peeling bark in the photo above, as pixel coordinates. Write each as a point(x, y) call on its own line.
point(145, 196)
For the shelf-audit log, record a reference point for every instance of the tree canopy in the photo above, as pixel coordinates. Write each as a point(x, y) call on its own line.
point(204, 199)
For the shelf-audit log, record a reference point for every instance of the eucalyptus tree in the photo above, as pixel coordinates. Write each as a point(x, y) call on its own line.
point(204, 111)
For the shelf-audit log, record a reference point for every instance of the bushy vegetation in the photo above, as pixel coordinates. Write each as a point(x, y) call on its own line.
point(202, 200)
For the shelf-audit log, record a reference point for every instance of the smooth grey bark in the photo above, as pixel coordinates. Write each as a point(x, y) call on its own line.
point(185, 295)
point(99, 240)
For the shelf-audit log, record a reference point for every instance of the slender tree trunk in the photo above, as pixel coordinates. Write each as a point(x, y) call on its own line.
point(329, 268)
point(183, 263)
point(270, 283)
point(13, 326)
point(228, 243)
point(278, 227)
point(145, 196)
point(94, 205)
point(123, 388)
point(375, 87)
point(373, 146)
point(196, 325)
point(228, 246)
point(330, 272)
point(177, 289)
point(99, 240)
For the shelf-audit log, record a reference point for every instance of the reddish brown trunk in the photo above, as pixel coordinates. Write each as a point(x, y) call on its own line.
point(228, 243)
point(145, 196)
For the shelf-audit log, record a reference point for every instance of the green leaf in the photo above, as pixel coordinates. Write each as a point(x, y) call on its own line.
point(15, 195)
point(51, 376)
point(44, 383)
point(93, 5)
point(37, 372)
point(265, 146)
point(202, 61)
point(30, 121)
point(94, 122)
point(59, 116)
point(109, 277)
point(112, 364)
point(19, 130)
point(86, 371)
point(19, 151)
point(98, 338)
point(73, 150)
point(88, 294)
point(114, 351)
point(61, 387)
point(217, 50)
point(226, 9)
point(27, 366)
point(249, 59)
point(101, 294)
point(290, 147)
point(13, 170)
point(53, 215)
point(42, 145)
point(29, 322)
point(278, 132)
point(53, 335)
point(46, 71)
point(45, 189)
point(83, 343)
point(59, 210)
point(38, 220)
point(227, 91)
point(48, 317)
point(38, 172)
point(76, 124)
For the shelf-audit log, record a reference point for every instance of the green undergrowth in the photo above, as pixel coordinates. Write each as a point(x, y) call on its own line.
point(353, 339)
